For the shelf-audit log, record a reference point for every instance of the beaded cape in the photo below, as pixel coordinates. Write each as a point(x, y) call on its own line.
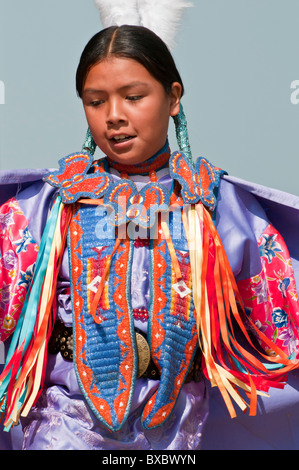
point(194, 298)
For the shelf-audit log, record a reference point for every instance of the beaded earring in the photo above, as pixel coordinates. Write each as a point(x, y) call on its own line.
point(182, 133)
point(89, 144)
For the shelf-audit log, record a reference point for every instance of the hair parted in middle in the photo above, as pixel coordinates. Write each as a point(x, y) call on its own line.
point(131, 42)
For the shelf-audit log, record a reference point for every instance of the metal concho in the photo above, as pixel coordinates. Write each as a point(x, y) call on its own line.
point(144, 354)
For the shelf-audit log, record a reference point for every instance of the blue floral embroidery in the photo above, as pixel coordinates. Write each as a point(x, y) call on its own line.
point(279, 318)
point(283, 286)
point(24, 241)
point(27, 276)
point(269, 247)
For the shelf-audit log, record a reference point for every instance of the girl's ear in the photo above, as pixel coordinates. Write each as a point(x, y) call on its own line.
point(175, 96)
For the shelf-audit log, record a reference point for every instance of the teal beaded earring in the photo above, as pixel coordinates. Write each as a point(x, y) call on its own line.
point(182, 134)
point(89, 144)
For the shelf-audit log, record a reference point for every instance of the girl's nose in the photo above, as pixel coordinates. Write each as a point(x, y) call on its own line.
point(115, 112)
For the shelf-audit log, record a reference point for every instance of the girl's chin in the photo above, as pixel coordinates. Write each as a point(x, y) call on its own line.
point(126, 160)
point(131, 152)
point(125, 152)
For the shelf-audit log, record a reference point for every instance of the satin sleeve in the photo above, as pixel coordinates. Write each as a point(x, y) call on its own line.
point(17, 261)
point(240, 221)
point(260, 259)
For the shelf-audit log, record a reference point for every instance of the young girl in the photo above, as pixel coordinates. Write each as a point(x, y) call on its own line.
point(122, 254)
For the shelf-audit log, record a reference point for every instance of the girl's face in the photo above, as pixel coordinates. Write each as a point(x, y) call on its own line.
point(127, 109)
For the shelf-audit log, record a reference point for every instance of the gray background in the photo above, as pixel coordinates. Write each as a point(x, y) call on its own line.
point(237, 59)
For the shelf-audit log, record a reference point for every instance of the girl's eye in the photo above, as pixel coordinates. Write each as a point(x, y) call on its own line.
point(95, 103)
point(134, 97)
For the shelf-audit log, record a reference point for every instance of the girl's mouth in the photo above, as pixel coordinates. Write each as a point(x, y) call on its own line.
point(121, 138)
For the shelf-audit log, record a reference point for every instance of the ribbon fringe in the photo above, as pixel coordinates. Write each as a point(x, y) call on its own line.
point(219, 313)
point(227, 364)
point(22, 379)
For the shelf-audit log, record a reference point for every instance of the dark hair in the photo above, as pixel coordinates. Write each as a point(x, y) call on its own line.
point(132, 42)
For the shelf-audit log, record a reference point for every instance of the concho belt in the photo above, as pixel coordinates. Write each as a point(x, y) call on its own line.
point(62, 342)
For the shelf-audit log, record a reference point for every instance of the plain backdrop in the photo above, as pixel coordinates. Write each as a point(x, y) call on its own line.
point(239, 60)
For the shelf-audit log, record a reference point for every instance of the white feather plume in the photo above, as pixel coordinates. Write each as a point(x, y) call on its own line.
point(161, 16)
point(118, 12)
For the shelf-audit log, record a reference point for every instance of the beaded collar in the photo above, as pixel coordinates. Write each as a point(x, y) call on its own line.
point(79, 177)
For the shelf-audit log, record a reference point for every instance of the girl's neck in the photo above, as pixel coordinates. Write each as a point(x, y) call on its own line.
point(154, 163)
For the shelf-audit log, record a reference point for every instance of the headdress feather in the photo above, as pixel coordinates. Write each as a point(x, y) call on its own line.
point(161, 16)
point(117, 12)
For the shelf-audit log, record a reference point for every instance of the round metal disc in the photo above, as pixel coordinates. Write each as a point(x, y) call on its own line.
point(144, 354)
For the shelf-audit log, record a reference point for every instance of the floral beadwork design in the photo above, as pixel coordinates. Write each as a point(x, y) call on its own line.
point(199, 182)
point(128, 204)
point(17, 261)
point(73, 180)
point(270, 298)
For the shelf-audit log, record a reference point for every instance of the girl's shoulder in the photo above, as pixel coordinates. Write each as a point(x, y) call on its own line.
point(33, 197)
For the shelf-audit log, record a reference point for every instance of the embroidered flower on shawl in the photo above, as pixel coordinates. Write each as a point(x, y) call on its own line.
point(260, 291)
point(279, 317)
point(9, 260)
point(283, 285)
point(12, 274)
point(262, 327)
point(25, 240)
point(269, 247)
point(6, 220)
point(289, 339)
point(26, 276)
point(4, 295)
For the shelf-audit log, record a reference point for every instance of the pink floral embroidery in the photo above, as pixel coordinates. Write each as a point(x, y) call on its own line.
point(18, 252)
point(270, 298)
